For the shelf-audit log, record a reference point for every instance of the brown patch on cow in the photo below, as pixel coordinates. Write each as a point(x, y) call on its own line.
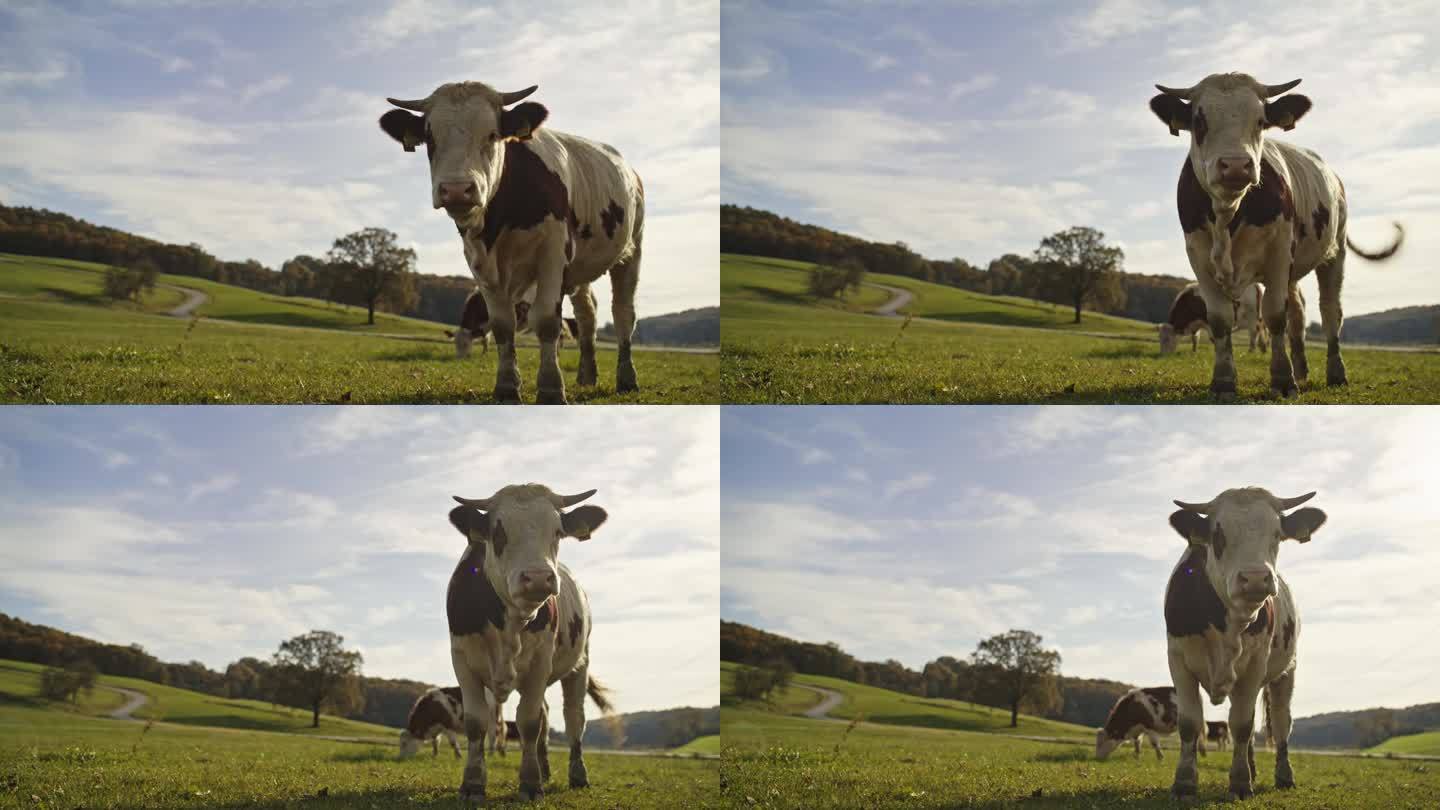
point(476, 316)
point(1165, 697)
point(585, 232)
point(471, 602)
point(1217, 541)
point(1266, 201)
point(1187, 308)
point(528, 193)
point(1198, 126)
point(1288, 632)
point(1321, 218)
point(426, 714)
point(1301, 225)
point(1264, 620)
point(547, 616)
point(576, 626)
point(1191, 604)
point(1192, 201)
point(1129, 712)
point(611, 218)
point(454, 693)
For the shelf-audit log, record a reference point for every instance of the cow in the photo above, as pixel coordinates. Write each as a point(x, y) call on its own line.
point(534, 207)
point(1217, 731)
point(1148, 712)
point(1259, 210)
point(437, 712)
point(519, 621)
point(475, 323)
point(1232, 627)
point(1187, 317)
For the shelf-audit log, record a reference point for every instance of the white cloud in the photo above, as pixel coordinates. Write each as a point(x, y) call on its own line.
point(213, 485)
point(974, 84)
point(914, 482)
point(264, 87)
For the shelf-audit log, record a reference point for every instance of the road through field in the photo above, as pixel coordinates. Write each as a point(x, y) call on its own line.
point(193, 300)
point(899, 297)
point(136, 700)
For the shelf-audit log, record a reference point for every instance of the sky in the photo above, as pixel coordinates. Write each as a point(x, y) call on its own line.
point(211, 534)
point(974, 129)
point(917, 534)
point(252, 130)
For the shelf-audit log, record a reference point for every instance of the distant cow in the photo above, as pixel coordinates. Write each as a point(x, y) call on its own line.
point(1258, 210)
point(1188, 316)
point(519, 622)
point(1232, 627)
point(437, 712)
point(475, 324)
point(1217, 731)
point(1148, 712)
point(534, 208)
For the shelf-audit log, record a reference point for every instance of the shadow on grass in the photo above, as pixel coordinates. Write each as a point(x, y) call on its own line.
point(74, 297)
point(1131, 351)
point(441, 351)
point(302, 319)
point(1076, 754)
point(778, 296)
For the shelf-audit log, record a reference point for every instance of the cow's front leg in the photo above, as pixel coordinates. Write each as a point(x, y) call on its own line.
point(1220, 319)
point(582, 302)
point(1273, 309)
point(1154, 742)
point(1136, 740)
point(1242, 731)
point(454, 743)
point(549, 385)
point(1331, 276)
point(1295, 329)
point(502, 325)
point(477, 714)
point(1192, 726)
point(1277, 712)
point(530, 717)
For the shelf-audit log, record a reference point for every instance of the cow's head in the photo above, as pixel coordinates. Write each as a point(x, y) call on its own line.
point(1168, 338)
point(1105, 744)
point(409, 745)
point(1242, 530)
point(463, 339)
point(1227, 115)
point(464, 126)
point(521, 527)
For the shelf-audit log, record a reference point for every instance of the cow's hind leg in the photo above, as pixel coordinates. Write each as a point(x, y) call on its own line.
point(1154, 743)
point(573, 687)
point(582, 301)
point(1295, 330)
point(624, 277)
point(1277, 721)
point(1331, 276)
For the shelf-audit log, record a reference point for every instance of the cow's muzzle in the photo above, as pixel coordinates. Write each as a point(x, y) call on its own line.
point(537, 584)
point(458, 199)
point(1235, 173)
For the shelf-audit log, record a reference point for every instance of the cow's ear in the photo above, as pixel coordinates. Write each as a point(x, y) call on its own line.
point(521, 121)
point(405, 127)
point(1192, 526)
point(581, 521)
point(1171, 111)
point(470, 522)
point(1300, 525)
point(1283, 112)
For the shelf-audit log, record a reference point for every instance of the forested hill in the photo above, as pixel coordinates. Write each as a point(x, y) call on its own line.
point(40, 232)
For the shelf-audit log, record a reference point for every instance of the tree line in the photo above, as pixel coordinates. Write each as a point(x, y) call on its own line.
point(1012, 670)
point(1074, 268)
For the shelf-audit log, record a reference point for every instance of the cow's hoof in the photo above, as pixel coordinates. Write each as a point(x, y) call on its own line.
point(1284, 389)
point(579, 779)
point(1241, 791)
point(472, 794)
point(1223, 390)
point(625, 381)
point(550, 397)
point(1302, 369)
point(587, 374)
point(1335, 374)
point(530, 793)
point(1185, 794)
point(1284, 784)
point(507, 394)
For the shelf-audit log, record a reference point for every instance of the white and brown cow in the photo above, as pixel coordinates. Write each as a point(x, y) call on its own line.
point(1218, 732)
point(1148, 712)
point(435, 713)
point(1232, 627)
point(475, 323)
point(1187, 316)
point(519, 622)
point(534, 208)
point(1259, 210)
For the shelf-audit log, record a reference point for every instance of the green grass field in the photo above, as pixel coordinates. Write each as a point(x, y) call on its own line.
point(779, 346)
point(709, 744)
point(59, 343)
point(1427, 743)
point(57, 756)
point(773, 760)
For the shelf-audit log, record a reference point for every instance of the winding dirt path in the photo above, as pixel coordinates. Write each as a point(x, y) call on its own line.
point(136, 700)
point(829, 700)
point(194, 299)
point(899, 297)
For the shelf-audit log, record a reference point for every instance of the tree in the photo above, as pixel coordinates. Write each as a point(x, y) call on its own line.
point(68, 683)
point(316, 668)
point(1087, 268)
point(854, 270)
point(826, 281)
point(127, 283)
point(1020, 668)
point(376, 268)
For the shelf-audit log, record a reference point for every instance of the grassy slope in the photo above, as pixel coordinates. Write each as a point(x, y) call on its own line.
point(709, 744)
point(791, 701)
point(779, 349)
point(125, 356)
point(54, 759)
point(1427, 743)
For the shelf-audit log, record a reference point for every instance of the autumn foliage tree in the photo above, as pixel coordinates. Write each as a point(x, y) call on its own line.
point(376, 269)
point(1084, 269)
point(317, 670)
point(1019, 668)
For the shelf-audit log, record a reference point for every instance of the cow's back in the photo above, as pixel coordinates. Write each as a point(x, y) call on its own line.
point(606, 199)
point(1318, 198)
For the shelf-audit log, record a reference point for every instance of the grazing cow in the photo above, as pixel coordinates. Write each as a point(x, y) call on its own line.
point(519, 622)
point(1258, 210)
point(1187, 317)
point(475, 323)
point(1146, 712)
point(1217, 731)
point(437, 712)
point(534, 208)
point(1232, 627)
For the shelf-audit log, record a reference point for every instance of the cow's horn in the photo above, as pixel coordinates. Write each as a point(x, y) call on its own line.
point(1181, 93)
point(416, 104)
point(1291, 503)
point(506, 99)
point(482, 504)
point(562, 501)
point(1272, 90)
point(1202, 508)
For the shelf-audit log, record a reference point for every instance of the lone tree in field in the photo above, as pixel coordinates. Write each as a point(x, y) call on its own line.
point(1021, 669)
point(1086, 269)
point(318, 670)
point(68, 683)
point(376, 268)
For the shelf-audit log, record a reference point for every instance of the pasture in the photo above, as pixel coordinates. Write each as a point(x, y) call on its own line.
point(61, 342)
point(773, 759)
point(780, 346)
point(59, 756)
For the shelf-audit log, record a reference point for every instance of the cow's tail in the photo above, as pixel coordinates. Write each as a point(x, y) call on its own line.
point(600, 695)
point(1383, 254)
